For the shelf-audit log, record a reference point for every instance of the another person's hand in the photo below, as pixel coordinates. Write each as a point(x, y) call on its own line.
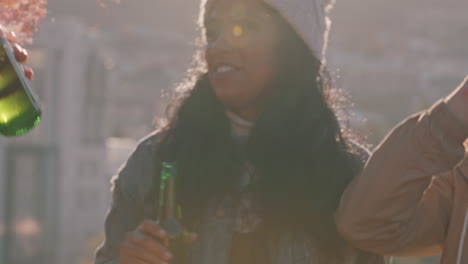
point(20, 53)
point(457, 101)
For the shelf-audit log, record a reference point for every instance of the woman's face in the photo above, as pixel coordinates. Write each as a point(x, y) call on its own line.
point(241, 39)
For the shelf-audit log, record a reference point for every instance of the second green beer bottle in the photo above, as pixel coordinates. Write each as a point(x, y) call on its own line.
point(20, 110)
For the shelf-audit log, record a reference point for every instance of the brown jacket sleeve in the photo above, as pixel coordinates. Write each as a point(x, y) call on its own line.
point(400, 203)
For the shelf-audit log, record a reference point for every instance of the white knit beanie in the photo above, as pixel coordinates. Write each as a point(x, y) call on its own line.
point(308, 17)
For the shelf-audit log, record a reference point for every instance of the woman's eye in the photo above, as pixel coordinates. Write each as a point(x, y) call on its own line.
point(237, 30)
point(243, 29)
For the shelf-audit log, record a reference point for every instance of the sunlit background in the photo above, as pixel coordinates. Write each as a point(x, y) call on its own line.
point(103, 67)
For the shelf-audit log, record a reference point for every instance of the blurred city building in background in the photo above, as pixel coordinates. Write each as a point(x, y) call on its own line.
point(397, 57)
point(103, 70)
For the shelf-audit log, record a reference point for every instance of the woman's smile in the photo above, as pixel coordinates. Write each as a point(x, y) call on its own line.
point(224, 72)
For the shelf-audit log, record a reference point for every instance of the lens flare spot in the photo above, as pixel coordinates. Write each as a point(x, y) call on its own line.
point(237, 31)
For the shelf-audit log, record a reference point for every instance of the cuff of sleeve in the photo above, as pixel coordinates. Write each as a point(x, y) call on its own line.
point(447, 124)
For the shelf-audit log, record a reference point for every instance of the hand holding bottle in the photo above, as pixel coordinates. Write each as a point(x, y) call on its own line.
point(457, 101)
point(20, 110)
point(144, 246)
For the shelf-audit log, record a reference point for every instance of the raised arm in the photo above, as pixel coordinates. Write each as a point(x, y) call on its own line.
point(400, 203)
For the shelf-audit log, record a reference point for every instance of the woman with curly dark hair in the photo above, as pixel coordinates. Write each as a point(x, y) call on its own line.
point(262, 159)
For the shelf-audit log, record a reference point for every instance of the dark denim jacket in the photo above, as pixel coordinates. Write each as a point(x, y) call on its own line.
point(134, 199)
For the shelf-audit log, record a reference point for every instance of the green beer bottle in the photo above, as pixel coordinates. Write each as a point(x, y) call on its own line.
point(20, 110)
point(170, 213)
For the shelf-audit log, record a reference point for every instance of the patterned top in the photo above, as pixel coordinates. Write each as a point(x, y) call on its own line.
point(236, 215)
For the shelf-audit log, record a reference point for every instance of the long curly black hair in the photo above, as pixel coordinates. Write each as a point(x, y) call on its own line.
point(303, 158)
